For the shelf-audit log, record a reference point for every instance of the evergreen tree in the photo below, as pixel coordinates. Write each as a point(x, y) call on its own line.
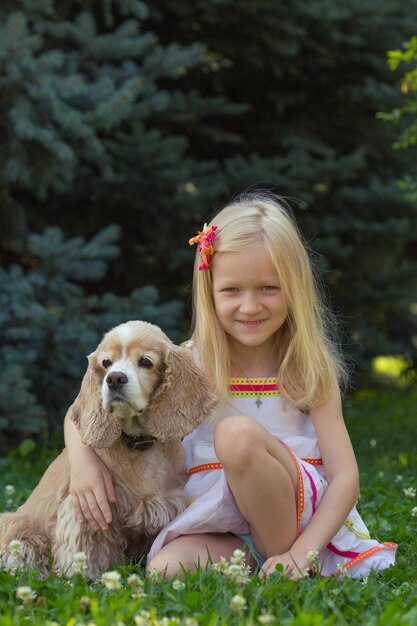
point(314, 76)
point(257, 93)
point(48, 324)
point(85, 110)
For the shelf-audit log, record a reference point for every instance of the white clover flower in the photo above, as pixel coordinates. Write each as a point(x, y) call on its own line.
point(167, 621)
point(238, 557)
point(398, 478)
point(26, 594)
point(410, 492)
point(414, 511)
point(190, 621)
point(16, 547)
point(135, 581)
point(238, 573)
point(266, 618)
point(341, 567)
point(9, 490)
point(154, 575)
point(80, 562)
point(364, 580)
point(178, 585)
point(13, 561)
point(143, 619)
point(111, 580)
point(312, 555)
point(372, 443)
point(237, 604)
point(137, 585)
point(220, 566)
point(236, 570)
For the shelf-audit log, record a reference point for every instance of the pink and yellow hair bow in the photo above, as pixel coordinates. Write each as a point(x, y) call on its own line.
point(204, 241)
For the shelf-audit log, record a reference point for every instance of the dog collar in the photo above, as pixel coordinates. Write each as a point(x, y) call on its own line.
point(139, 443)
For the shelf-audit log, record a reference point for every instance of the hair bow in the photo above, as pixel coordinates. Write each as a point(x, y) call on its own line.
point(204, 241)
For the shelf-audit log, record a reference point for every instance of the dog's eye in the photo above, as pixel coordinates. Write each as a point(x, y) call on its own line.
point(146, 362)
point(106, 363)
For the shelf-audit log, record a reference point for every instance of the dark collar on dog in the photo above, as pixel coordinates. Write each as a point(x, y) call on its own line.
point(143, 442)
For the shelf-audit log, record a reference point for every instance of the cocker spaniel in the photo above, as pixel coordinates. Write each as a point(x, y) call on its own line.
point(140, 395)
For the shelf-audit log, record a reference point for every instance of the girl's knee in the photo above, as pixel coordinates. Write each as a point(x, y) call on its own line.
point(165, 569)
point(236, 439)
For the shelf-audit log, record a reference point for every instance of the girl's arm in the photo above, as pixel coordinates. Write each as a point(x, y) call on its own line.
point(91, 485)
point(341, 494)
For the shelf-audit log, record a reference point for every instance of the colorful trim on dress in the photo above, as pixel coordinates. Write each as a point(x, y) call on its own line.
point(300, 503)
point(218, 466)
point(361, 557)
point(349, 524)
point(253, 388)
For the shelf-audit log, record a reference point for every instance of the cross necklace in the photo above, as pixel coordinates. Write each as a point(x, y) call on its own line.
point(258, 400)
point(258, 393)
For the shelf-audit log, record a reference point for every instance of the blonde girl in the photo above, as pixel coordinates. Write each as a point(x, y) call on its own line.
point(272, 470)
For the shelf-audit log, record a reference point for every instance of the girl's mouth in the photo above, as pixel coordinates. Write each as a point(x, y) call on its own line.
point(251, 324)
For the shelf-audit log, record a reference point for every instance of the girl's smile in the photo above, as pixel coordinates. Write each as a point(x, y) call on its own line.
point(251, 324)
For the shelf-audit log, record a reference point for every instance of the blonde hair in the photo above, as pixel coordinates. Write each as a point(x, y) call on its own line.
point(309, 359)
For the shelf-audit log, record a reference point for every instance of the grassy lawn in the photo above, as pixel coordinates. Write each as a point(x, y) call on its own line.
point(383, 429)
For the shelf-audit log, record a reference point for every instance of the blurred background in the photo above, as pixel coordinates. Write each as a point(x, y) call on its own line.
point(126, 124)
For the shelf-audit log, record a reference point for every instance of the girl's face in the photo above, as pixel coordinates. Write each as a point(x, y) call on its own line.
point(247, 298)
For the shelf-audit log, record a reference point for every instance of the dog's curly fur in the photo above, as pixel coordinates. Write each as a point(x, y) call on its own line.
point(137, 384)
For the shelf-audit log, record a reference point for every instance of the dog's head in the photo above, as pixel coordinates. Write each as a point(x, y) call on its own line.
point(138, 382)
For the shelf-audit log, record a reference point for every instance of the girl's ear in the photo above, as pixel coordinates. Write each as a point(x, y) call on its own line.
point(97, 427)
point(182, 400)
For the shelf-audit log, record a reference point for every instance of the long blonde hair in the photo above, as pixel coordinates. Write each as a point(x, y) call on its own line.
point(309, 359)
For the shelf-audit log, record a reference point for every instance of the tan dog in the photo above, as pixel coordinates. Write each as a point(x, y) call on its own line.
point(140, 395)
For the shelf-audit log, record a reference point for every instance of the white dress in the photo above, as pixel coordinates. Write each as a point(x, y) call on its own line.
point(213, 509)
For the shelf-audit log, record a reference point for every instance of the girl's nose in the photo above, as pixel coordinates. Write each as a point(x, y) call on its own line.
point(250, 305)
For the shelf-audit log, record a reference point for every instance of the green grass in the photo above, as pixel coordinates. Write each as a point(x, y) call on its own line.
point(383, 426)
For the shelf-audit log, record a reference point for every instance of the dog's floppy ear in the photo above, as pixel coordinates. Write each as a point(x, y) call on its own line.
point(98, 428)
point(182, 400)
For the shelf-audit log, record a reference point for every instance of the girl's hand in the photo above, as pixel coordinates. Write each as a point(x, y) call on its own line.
point(91, 488)
point(296, 566)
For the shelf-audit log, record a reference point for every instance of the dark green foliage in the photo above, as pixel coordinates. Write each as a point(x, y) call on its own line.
point(49, 324)
point(154, 114)
point(314, 75)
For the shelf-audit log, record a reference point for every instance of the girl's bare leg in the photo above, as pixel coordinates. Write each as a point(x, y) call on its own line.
point(192, 551)
point(263, 479)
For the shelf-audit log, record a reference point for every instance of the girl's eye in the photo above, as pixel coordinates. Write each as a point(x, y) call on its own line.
point(145, 362)
point(270, 287)
point(230, 289)
point(106, 363)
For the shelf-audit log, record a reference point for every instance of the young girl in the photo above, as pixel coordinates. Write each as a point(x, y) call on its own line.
point(273, 468)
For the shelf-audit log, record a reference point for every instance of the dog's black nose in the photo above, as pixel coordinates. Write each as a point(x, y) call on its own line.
point(116, 380)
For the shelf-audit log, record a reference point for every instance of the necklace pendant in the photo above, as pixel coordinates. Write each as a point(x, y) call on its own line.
point(258, 402)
